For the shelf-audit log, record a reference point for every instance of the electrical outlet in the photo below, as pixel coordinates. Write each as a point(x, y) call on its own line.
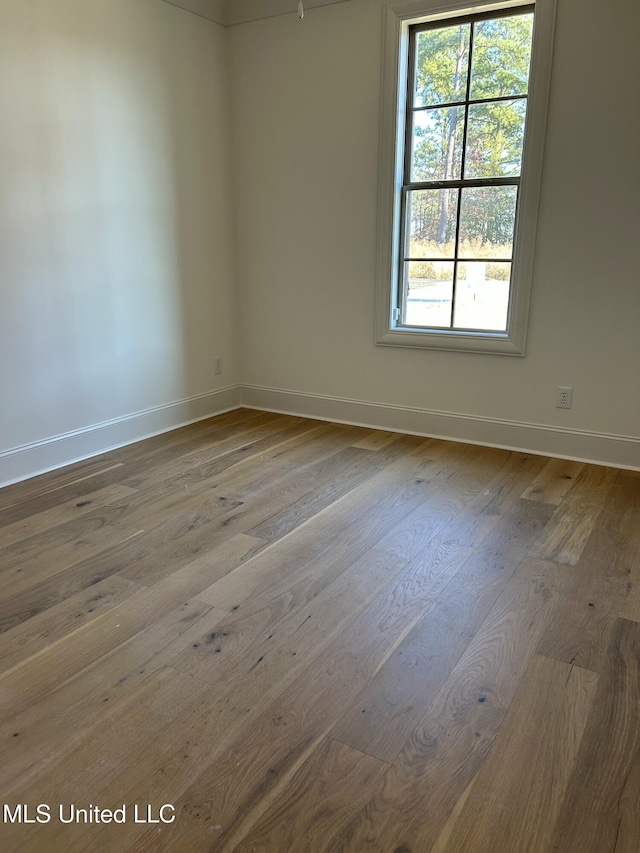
point(564, 397)
point(217, 366)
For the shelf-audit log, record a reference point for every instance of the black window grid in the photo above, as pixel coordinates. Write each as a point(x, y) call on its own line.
point(458, 183)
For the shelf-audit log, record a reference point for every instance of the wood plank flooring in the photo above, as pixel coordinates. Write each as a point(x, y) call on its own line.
point(315, 637)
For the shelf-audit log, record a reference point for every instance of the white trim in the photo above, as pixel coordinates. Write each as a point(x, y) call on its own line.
point(229, 13)
point(396, 15)
point(212, 10)
point(620, 451)
point(246, 11)
point(29, 460)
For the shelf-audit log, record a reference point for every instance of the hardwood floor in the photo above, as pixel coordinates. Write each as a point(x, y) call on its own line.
point(315, 637)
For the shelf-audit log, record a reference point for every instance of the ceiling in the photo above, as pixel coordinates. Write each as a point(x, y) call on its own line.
point(230, 12)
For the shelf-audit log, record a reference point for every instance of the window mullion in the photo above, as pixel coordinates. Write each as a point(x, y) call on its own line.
point(513, 181)
point(462, 171)
point(471, 101)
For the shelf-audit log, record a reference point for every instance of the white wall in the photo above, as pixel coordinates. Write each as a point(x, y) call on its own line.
point(306, 122)
point(118, 267)
point(116, 252)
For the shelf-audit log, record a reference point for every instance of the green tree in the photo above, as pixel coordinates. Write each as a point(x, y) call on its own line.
point(499, 69)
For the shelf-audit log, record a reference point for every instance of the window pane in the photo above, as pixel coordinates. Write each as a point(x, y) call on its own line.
point(482, 296)
point(494, 139)
point(501, 57)
point(429, 293)
point(487, 217)
point(431, 223)
point(436, 153)
point(442, 61)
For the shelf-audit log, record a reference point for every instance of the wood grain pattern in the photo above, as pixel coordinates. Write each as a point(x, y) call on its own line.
point(593, 810)
point(392, 704)
point(554, 481)
point(18, 575)
point(327, 789)
point(452, 740)
point(35, 634)
point(573, 521)
point(34, 677)
point(486, 509)
point(604, 584)
point(230, 791)
point(170, 697)
point(628, 482)
point(318, 637)
point(20, 494)
point(388, 709)
point(72, 509)
point(352, 470)
point(515, 799)
point(628, 830)
point(376, 441)
point(42, 733)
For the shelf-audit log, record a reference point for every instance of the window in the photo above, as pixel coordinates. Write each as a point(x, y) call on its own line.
point(463, 154)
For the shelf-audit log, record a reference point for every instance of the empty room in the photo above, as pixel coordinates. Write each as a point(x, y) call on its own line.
point(319, 426)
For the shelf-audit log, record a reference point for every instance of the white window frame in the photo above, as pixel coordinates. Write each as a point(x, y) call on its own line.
point(399, 15)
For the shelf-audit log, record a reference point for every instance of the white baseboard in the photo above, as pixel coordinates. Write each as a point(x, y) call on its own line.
point(619, 451)
point(29, 460)
point(20, 463)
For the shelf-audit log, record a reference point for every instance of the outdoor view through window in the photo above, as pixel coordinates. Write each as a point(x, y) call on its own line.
point(466, 108)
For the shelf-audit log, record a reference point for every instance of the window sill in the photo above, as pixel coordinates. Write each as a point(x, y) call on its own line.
point(452, 341)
